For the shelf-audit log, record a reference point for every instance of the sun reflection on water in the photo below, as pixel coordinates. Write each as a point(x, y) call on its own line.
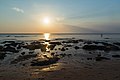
point(46, 36)
point(37, 71)
point(47, 47)
point(52, 67)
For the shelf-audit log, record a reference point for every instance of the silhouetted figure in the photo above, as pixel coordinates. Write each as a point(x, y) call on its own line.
point(101, 35)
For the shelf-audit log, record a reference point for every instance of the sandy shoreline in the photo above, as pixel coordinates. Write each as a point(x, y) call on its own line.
point(104, 70)
point(60, 60)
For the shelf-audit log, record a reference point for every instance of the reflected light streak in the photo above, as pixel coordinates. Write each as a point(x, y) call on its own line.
point(54, 67)
point(46, 36)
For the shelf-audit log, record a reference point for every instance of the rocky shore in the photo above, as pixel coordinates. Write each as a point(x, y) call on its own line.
point(59, 59)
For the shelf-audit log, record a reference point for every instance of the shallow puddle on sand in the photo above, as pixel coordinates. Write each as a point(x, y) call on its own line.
point(51, 68)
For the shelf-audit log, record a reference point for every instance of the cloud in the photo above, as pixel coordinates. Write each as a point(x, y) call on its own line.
point(59, 19)
point(18, 10)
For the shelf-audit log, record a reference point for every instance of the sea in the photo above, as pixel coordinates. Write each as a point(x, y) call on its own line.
point(37, 36)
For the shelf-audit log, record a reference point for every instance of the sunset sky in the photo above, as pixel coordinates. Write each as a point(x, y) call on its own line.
point(59, 16)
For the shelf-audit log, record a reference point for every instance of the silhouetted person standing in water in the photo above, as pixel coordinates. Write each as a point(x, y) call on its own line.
point(101, 35)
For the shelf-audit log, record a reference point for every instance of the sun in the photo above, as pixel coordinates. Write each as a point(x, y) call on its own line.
point(46, 20)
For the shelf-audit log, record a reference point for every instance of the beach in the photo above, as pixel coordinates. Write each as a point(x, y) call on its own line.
point(59, 39)
point(59, 59)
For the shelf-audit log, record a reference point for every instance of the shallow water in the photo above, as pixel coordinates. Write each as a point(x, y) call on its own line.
point(88, 36)
point(77, 57)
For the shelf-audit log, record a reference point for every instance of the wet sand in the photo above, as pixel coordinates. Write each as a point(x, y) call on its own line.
point(72, 63)
point(68, 70)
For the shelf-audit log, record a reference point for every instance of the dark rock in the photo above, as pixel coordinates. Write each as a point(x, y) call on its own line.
point(12, 43)
point(101, 58)
point(90, 52)
point(52, 54)
point(55, 43)
point(68, 45)
point(2, 56)
point(59, 48)
point(1, 48)
point(75, 41)
point(23, 64)
point(97, 47)
point(46, 56)
point(23, 53)
point(110, 46)
point(42, 40)
point(31, 52)
point(76, 47)
point(63, 49)
point(66, 42)
point(43, 48)
point(71, 41)
point(116, 56)
point(93, 47)
point(117, 43)
point(8, 42)
point(41, 79)
point(23, 58)
point(89, 58)
point(96, 42)
point(99, 55)
point(19, 44)
point(106, 38)
point(105, 43)
point(57, 55)
point(7, 45)
point(10, 49)
point(47, 40)
point(66, 48)
point(69, 55)
point(51, 47)
point(35, 43)
point(63, 55)
point(19, 47)
point(55, 49)
point(88, 42)
point(32, 47)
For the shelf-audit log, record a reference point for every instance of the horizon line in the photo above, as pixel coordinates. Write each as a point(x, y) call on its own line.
point(57, 33)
